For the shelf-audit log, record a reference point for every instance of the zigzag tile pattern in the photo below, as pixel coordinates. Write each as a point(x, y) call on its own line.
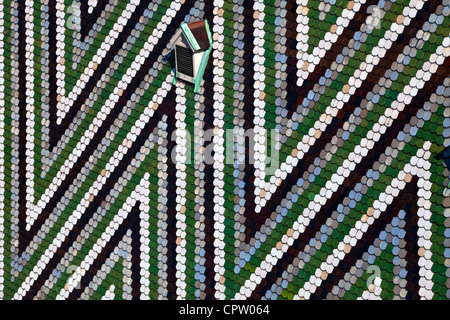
point(99, 198)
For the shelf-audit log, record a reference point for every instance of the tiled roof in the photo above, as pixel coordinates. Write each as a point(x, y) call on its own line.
point(337, 193)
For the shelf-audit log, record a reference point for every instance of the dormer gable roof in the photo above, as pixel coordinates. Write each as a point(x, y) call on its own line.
point(197, 35)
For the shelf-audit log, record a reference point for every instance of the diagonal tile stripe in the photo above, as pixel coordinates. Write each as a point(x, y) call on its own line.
point(218, 229)
point(344, 171)
point(101, 116)
point(355, 82)
point(66, 102)
point(416, 167)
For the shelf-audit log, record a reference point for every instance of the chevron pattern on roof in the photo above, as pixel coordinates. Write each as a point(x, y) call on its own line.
point(339, 193)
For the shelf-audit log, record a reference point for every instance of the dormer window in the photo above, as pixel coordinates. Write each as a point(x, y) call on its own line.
point(192, 43)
